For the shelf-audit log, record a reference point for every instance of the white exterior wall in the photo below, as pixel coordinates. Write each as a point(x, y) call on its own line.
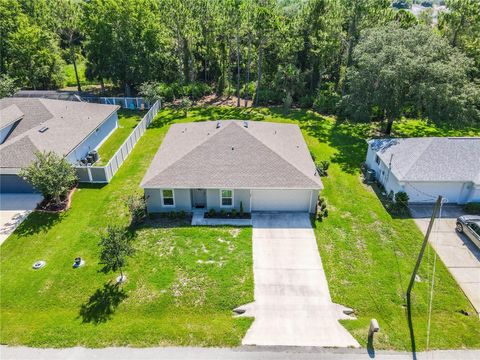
point(474, 195)
point(454, 192)
point(182, 198)
point(383, 174)
point(95, 139)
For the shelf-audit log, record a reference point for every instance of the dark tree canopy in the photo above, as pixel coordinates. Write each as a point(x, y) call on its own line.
point(410, 71)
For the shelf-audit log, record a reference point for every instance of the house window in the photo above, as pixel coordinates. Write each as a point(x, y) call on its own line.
point(226, 198)
point(377, 159)
point(168, 198)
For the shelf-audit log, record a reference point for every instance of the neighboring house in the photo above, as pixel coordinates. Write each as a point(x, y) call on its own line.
point(427, 167)
point(68, 128)
point(220, 165)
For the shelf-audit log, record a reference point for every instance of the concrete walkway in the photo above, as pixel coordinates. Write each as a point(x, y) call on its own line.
point(199, 220)
point(292, 302)
point(241, 353)
point(457, 252)
point(14, 208)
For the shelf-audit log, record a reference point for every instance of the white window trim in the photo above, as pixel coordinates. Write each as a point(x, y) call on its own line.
point(173, 197)
point(233, 198)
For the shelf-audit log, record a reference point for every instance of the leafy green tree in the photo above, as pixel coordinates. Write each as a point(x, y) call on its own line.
point(115, 246)
point(68, 13)
point(50, 174)
point(461, 25)
point(10, 17)
point(34, 57)
point(7, 86)
point(126, 42)
point(414, 69)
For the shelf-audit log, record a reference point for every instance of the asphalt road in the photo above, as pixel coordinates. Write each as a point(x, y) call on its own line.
point(248, 353)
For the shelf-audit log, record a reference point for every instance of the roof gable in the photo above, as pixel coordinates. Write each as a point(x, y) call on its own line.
point(229, 157)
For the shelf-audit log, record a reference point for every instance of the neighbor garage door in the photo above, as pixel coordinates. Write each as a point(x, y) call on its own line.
point(10, 183)
point(281, 200)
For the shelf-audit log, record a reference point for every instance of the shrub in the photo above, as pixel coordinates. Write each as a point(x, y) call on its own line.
point(234, 213)
point(172, 215)
point(223, 213)
point(472, 208)
point(401, 199)
point(322, 167)
point(50, 174)
point(241, 208)
point(137, 207)
point(248, 90)
point(212, 212)
point(322, 211)
point(182, 214)
point(185, 104)
point(327, 100)
point(306, 102)
point(287, 102)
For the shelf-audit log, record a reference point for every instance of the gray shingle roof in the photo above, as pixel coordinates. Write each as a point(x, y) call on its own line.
point(264, 155)
point(431, 158)
point(68, 123)
point(9, 115)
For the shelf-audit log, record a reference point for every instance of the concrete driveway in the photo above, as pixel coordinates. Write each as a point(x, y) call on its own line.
point(292, 302)
point(457, 252)
point(14, 208)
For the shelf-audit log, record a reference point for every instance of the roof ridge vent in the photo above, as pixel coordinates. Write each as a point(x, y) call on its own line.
point(43, 129)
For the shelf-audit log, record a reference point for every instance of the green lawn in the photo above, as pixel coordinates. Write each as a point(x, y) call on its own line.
point(127, 121)
point(71, 80)
point(172, 298)
point(183, 281)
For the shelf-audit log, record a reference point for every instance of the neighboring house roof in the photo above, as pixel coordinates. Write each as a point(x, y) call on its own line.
point(449, 159)
point(9, 115)
point(262, 155)
point(68, 123)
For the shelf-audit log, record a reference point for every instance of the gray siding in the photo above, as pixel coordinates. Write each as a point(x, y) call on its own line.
point(313, 201)
point(14, 184)
point(154, 201)
point(94, 140)
point(239, 195)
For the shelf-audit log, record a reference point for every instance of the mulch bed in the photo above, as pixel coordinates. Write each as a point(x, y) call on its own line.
point(227, 216)
point(47, 205)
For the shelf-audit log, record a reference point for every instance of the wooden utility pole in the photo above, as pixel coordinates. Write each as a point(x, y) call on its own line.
point(436, 210)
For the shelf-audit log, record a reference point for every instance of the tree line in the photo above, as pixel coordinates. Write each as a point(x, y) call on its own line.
point(361, 59)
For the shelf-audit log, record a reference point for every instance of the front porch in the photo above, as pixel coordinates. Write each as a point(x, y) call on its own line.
point(199, 220)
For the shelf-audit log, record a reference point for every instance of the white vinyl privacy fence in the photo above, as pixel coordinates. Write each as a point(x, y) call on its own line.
point(103, 174)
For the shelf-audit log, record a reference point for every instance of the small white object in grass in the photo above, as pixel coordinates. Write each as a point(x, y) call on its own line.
point(39, 264)
point(121, 279)
point(78, 262)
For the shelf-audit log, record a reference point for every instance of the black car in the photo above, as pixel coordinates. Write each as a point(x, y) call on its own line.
point(470, 226)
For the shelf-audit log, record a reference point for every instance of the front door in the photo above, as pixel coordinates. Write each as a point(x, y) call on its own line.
point(199, 198)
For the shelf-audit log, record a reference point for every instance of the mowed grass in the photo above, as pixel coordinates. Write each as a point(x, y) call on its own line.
point(127, 121)
point(183, 281)
point(70, 78)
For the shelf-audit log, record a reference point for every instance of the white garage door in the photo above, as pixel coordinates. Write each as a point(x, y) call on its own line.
point(280, 200)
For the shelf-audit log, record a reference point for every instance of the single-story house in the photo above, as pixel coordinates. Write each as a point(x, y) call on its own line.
point(427, 167)
point(222, 165)
point(27, 125)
